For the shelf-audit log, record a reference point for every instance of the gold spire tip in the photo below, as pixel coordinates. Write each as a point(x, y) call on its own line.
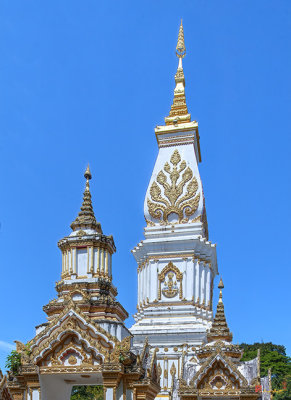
point(181, 49)
point(87, 173)
point(220, 285)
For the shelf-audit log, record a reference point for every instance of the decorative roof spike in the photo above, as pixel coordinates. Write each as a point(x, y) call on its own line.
point(220, 285)
point(86, 217)
point(87, 173)
point(219, 329)
point(181, 49)
point(179, 111)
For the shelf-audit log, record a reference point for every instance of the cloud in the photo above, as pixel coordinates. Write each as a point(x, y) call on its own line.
point(6, 346)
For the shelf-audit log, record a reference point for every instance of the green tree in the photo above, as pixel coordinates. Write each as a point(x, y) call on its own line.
point(13, 362)
point(272, 356)
point(87, 392)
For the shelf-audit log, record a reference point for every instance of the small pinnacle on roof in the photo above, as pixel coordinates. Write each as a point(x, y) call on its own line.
point(87, 173)
point(220, 285)
point(86, 217)
point(219, 329)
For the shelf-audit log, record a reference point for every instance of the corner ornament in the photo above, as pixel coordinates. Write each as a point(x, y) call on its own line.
point(172, 201)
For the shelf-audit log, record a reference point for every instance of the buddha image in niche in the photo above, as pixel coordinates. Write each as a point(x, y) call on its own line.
point(170, 288)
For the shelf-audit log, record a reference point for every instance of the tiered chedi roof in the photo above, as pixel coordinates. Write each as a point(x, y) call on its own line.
point(86, 217)
point(219, 329)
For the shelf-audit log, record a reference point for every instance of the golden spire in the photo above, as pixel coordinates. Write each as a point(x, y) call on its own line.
point(86, 218)
point(219, 329)
point(179, 112)
point(181, 49)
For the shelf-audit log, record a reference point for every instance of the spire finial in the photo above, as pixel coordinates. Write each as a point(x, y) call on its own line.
point(220, 286)
point(179, 111)
point(181, 49)
point(87, 173)
point(86, 217)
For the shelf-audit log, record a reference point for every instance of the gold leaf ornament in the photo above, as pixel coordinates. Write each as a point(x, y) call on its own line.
point(166, 193)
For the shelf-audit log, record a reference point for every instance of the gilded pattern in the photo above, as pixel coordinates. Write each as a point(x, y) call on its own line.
point(170, 288)
point(172, 200)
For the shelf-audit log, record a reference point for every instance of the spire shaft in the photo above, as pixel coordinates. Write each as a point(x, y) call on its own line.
point(179, 111)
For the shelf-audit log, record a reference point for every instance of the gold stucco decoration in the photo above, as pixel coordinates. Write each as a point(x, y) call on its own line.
point(179, 191)
point(170, 288)
point(72, 360)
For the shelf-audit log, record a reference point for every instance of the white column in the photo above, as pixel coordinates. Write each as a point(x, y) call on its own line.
point(197, 279)
point(190, 272)
point(190, 269)
point(142, 283)
point(208, 284)
point(110, 265)
point(138, 285)
point(103, 262)
point(106, 263)
point(98, 261)
point(186, 281)
point(205, 282)
point(150, 280)
point(92, 260)
point(202, 282)
point(145, 283)
point(153, 280)
point(74, 266)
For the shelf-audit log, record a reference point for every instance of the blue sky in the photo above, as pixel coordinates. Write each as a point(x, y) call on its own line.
point(87, 81)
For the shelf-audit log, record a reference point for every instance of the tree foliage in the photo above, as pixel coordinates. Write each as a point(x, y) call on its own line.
point(272, 356)
point(87, 392)
point(13, 362)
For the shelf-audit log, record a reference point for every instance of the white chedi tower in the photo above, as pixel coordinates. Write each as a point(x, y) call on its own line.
point(176, 262)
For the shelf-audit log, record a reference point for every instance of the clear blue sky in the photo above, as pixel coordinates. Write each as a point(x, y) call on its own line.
point(88, 81)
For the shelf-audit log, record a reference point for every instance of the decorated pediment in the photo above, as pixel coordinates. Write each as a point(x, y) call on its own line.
point(71, 351)
point(69, 339)
point(218, 373)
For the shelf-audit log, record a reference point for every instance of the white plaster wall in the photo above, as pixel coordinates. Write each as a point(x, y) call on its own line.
point(35, 395)
point(119, 391)
point(109, 394)
point(129, 394)
point(82, 262)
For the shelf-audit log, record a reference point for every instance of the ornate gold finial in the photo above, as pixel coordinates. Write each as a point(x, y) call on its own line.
point(87, 173)
point(86, 217)
point(220, 285)
point(181, 49)
point(179, 111)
